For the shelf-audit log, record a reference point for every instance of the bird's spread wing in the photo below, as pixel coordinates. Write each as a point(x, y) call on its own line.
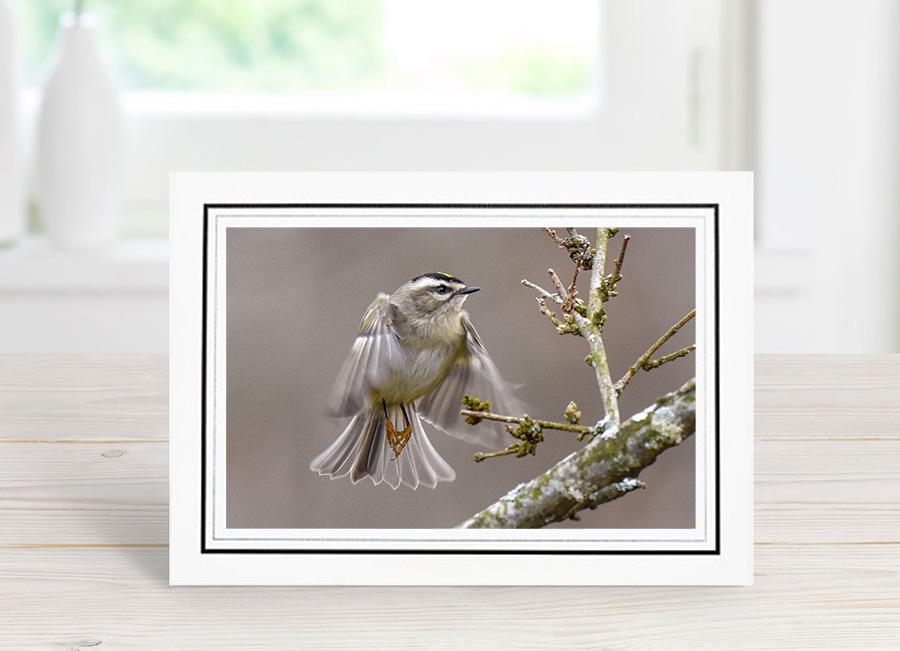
point(474, 373)
point(376, 351)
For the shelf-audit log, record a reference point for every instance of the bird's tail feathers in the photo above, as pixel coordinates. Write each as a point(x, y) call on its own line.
point(362, 450)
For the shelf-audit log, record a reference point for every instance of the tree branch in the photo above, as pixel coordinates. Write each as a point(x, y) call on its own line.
point(591, 328)
point(578, 246)
point(544, 424)
point(651, 364)
point(607, 467)
point(557, 283)
point(603, 470)
point(543, 292)
point(564, 326)
point(617, 273)
point(644, 361)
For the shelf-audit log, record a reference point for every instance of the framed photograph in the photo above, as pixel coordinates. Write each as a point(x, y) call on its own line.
point(441, 378)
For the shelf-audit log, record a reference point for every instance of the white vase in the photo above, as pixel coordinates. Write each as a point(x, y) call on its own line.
point(12, 216)
point(79, 142)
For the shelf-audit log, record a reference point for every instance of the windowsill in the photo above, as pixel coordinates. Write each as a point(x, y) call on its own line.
point(345, 105)
point(33, 265)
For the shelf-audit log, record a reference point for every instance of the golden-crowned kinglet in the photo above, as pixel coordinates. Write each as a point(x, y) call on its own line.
point(415, 357)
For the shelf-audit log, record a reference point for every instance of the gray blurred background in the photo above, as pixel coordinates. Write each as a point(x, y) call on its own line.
point(295, 298)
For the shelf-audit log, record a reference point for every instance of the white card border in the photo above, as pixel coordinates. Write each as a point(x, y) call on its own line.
point(733, 194)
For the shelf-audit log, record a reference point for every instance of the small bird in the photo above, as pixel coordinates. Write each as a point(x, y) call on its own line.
point(416, 355)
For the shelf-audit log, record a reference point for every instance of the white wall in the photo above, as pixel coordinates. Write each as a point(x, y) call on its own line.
point(828, 175)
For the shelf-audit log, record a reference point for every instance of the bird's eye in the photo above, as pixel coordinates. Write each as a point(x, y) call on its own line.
point(442, 289)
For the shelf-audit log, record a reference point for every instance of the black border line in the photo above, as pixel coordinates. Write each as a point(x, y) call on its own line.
point(716, 347)
point(203, 548)
point(453, 552)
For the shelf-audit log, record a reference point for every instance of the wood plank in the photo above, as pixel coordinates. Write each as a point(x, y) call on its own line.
point(827, 517)
point(819, 396)
point(827, 491)
point(827, 597)
point(90, 493)
point(124, 397)
point(83, 397)
point(85, 493)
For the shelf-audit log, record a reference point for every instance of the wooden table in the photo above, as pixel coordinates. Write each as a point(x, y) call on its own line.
point(83, 529)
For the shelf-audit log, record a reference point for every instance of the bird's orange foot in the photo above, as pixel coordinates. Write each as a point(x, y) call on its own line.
point(398, 440)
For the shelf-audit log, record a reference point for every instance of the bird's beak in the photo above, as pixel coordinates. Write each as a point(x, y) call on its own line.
point(469, 290)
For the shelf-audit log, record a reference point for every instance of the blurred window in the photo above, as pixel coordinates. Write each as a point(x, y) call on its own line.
point(404, 84)
point(506, 48)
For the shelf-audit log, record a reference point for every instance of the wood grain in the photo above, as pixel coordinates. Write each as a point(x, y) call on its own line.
point(120, 597)
point(84, 493)
point(83, 397)
point(83, 529)
point(826, 396)
point(840, 491)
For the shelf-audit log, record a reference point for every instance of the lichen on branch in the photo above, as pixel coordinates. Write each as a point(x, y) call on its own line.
point(604, 469)
point(578, 247)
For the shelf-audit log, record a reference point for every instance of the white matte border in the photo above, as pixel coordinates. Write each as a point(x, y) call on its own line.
point(731, 191)
point(220, 219)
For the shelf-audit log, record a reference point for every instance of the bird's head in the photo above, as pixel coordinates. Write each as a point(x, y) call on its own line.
point(432, 295)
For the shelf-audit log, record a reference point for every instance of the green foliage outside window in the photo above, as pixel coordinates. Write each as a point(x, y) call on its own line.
point(284, 46)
